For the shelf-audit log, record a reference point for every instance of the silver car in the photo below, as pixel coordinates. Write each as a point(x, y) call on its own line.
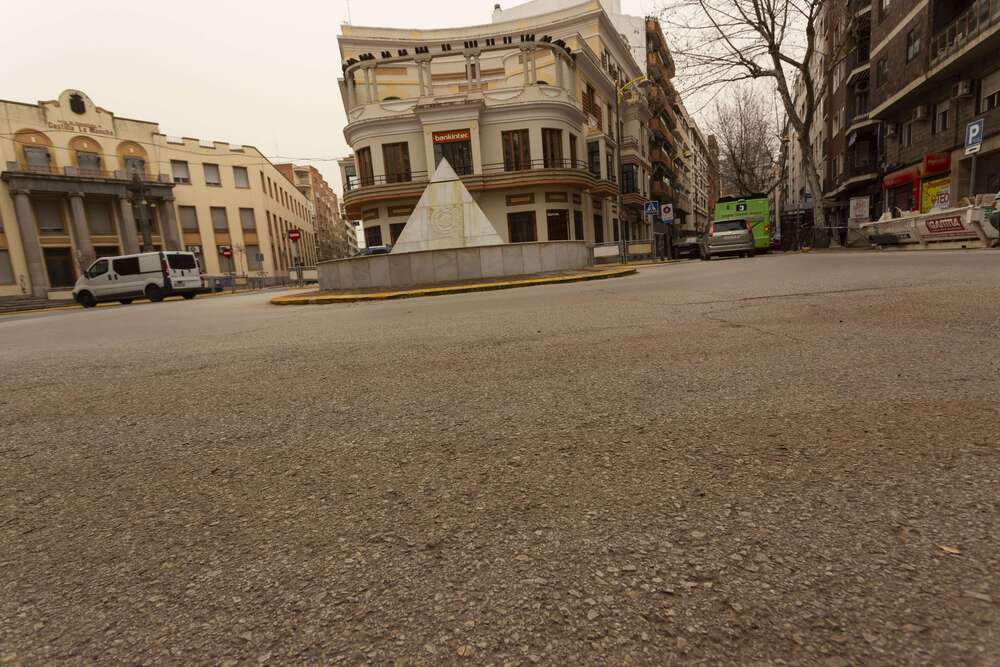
point(727, 237)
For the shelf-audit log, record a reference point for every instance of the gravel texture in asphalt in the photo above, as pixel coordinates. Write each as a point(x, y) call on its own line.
point(783, 460)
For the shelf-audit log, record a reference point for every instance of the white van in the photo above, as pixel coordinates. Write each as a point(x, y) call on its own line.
point(154, 275)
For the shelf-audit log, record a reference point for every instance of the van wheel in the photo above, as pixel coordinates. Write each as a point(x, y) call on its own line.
point(705, 256)
point(124, 302)
point(87, 299)
point(190, 295)
point(154, 294)
point(752, 253)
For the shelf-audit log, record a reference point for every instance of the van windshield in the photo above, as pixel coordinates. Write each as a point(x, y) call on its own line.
point(729, 226)
point(181, 261)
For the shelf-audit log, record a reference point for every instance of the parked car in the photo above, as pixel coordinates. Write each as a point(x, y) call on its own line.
point(727, 237)
point(376, 250)
point(154, 275)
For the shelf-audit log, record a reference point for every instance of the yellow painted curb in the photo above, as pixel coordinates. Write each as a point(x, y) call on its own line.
point(441, 291)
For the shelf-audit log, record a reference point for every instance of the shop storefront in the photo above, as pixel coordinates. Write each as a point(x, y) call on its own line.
point(923, 187)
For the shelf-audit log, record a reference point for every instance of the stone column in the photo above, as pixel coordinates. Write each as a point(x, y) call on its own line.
point(558, 64)
point(127, 228)
point(524, 57)
point(84, 245)
point(168, 225)
point(349, 85)
point(468, 71)
point(534, 65)
point(28, 227)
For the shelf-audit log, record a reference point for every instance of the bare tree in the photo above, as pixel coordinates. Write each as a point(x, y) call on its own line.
point(748, 142)
point(721, 42)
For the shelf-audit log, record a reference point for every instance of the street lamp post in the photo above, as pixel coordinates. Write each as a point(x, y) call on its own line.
point(137, 188)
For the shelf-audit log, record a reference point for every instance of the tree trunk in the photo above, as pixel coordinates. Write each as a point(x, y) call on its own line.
point(816, 186)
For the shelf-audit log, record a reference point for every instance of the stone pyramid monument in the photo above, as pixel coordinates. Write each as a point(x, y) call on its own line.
point(446, 217)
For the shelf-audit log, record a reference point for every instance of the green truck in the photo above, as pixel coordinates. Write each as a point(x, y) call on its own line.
point(755, 209)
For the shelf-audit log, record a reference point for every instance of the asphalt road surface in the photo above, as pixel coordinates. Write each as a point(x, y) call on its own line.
point(783, 460)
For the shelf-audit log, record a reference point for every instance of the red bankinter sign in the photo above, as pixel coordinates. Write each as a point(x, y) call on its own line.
point(452, 136)
point(294, 234)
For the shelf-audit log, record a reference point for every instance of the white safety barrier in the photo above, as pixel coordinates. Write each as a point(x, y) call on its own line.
point(966, 227)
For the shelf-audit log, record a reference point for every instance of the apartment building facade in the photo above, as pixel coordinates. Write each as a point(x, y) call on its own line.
point(908, 79)
point(65, 198)
point(333, 234)
point(526, 111)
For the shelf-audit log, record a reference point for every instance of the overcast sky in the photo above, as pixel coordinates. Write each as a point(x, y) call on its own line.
point(258, 73)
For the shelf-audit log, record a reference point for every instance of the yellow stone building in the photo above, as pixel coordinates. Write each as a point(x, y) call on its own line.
point(67, 165)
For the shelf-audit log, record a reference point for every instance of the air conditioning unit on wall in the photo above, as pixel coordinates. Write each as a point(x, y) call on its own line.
point(962, 89)
point(921, 112)
point(890, 129)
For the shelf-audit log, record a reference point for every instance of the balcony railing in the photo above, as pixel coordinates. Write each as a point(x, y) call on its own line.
point(964, 29)
point(494, 169)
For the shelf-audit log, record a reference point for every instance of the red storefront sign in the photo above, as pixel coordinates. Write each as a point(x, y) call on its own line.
point(935, 163)
point(452, 136)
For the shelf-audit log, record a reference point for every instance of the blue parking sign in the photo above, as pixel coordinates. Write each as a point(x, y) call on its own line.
point(974, 136)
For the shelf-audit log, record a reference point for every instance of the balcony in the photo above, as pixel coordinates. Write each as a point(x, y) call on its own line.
point(964, 29)
point(364, 192)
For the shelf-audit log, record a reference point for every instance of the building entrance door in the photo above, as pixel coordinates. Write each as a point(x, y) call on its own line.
point(59, 264)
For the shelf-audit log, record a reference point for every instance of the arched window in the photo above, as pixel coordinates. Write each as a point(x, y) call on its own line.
point(133, 159)
point(88, 156)
point(35, 152)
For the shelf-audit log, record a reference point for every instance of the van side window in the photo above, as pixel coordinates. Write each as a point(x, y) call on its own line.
point(127, 266)
point(98, 268)
point(181, 261)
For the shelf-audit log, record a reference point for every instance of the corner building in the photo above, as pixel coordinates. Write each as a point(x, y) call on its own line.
point(66, 165)
point(524, 110)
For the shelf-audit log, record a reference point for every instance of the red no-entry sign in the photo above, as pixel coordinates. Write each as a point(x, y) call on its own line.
point(294, 234)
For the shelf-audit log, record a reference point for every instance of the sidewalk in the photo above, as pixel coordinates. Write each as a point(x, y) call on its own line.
point(352, 296)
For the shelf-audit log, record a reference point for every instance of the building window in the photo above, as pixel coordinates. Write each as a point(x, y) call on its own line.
point(179, 170)
point(456, 148)
point(598, 228)
point(220, 221)
point(6, 269)
point(906, 135)
point(135, 166)
point(882, 72)
point(397, 162)
point(48, 213)
point(630, 179)
point(240, 177)
point(366, 173)
point(373, 236)
point(578, 225)
point(942, 117)
point(395, 229)
point(99, 217)
point(89, 164)
point(557, 223)
point(212, 176)
point(255, 260)
point(247, 220)
point(521, 227)
point(189, 218)
point(38, 159)
point(552, 153)
point(610, 160)
point(516, 150)
point(594, 158)
point(573, 157)
point(912, 45)
point(226, 264)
